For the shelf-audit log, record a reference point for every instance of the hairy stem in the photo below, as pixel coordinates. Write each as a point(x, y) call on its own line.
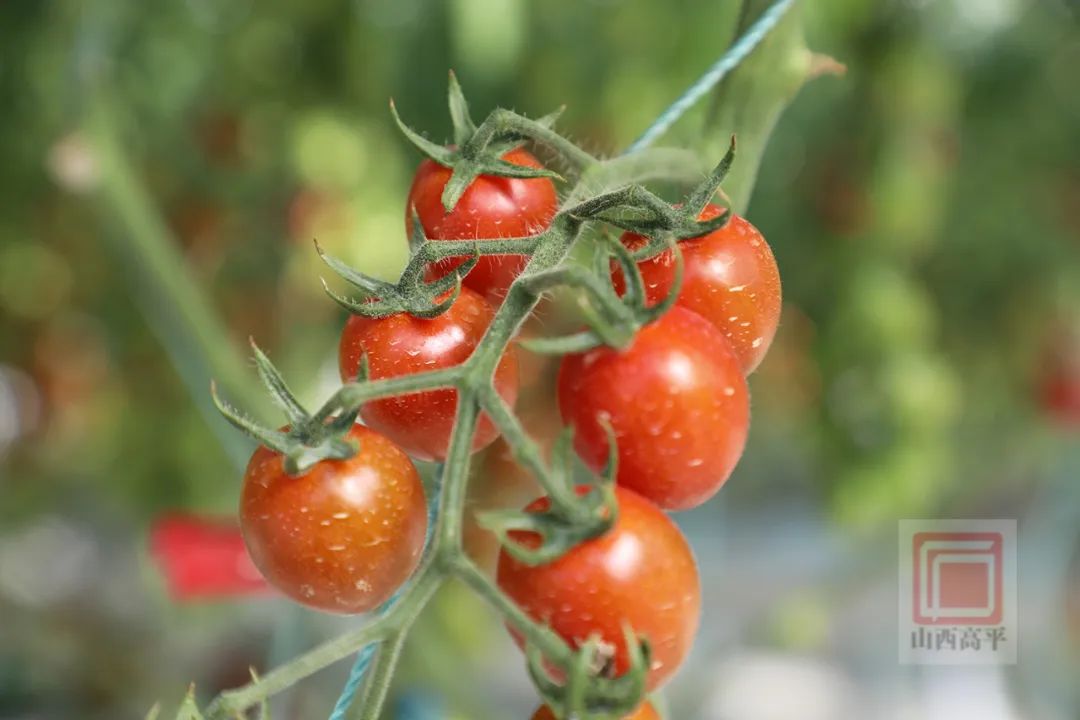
point(404, 614)
point(438, 249)
point(543, 637)
point(351, 396)
point(456, 477)
point(381, 674)
point(606, 192)
point(502, 121)
point(526, 450)
point(234, 702)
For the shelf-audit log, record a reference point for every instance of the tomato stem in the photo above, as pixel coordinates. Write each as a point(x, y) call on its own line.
point(232, 703)
point(573, 518)
point(541, 636)
point(608, 192)
point(501, 122)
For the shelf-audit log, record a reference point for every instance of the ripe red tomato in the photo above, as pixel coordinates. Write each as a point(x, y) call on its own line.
point(730, 278)
point(402, 344)
point(342, 536)
point(645, 712)
point(641, 572)
point(492, 207)
point(677, 401)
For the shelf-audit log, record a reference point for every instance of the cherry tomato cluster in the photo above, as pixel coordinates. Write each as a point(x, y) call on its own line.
point(664, 415)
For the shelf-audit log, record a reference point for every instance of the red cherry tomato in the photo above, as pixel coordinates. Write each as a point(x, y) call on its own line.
point(402, 344)
point(645, 712)
point(342, 536)
point(492, 207)
point(677, 401)
point(641, 572)
point(730, 278)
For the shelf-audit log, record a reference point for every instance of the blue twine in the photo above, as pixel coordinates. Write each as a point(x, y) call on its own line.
point(367, 653)
point(728, 62)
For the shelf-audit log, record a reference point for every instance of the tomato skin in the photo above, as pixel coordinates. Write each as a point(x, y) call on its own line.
point(730, 278)
point(677, 401)
point(641, 572)
point(401, 344)
point(491, 207)
point(342, 536)
point(645, 712)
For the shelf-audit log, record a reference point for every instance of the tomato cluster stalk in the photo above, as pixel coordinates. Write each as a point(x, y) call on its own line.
point(574, 681)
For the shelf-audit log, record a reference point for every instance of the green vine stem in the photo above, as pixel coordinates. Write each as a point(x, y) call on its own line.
point(605, 192)
point(547, 267)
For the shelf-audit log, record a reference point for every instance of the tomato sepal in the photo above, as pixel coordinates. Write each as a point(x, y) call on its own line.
point(700, 196)
point(478, 150)
point(558, 534)
point(411, 294)
point(189, 709)
point(308, 438)
point(570, 519)
point(574, 514)
point(590, 688)
point(611, 320)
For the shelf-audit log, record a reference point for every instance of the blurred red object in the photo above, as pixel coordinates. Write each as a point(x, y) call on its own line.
point(1061, 396)
point(203, 558)
point(1059, 374)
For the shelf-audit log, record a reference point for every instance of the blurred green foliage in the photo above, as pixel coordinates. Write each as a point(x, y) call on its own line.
point(924, 210)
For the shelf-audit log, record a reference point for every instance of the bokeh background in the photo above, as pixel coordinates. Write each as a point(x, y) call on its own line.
point(164, 167)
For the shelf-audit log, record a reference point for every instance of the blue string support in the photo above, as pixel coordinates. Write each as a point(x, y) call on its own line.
point(367, 653)
point(730, 60)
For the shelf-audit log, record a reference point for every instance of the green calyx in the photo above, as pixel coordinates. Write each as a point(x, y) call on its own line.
point(307, 440)
point(571, 517)
point(606, 193)
point(411, 294)
point(658, 221)
point(591, 690)
point(612, 320)
point(476, 150)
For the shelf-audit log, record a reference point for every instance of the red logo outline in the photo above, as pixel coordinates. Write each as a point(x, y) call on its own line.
point(933, 553)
